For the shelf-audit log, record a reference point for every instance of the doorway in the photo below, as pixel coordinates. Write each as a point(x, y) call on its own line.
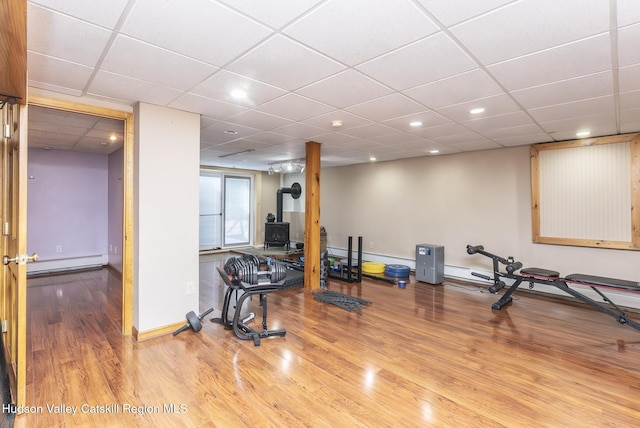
point(74, 134)
point(226, 210)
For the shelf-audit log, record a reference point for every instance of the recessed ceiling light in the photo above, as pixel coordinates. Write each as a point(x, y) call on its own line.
point(433, 152)
point(582, 134)
point(113, 138)
point(415, 124)
point(239, 94)
point(230, 132)
point(336, 123)
point(372, 159)
point(476, 110)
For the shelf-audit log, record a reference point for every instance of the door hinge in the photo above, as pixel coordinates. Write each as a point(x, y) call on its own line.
point(4, 326)
point(5, 228)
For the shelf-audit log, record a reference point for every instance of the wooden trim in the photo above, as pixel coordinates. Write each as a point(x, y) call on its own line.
point(128, 167)
point(535, 195)
point(13, 45)
point(156, 332)
point(635, 191)
point(634, 243)
point(312, 217)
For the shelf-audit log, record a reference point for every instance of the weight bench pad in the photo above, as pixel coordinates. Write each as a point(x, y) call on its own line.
point(599, 281)
point(540, 273)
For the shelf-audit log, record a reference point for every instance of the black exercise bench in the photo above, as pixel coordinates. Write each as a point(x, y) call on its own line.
point(553, 278)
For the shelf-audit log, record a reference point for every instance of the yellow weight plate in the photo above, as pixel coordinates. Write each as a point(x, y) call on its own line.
point(372, 267)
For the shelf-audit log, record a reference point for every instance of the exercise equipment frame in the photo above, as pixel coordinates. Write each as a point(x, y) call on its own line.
point(238, 322)
point(552, 278)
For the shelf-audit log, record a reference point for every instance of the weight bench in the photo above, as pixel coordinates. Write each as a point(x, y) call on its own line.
point(552, 278)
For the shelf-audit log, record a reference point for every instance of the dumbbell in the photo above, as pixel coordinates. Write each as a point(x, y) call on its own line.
point(193, 321)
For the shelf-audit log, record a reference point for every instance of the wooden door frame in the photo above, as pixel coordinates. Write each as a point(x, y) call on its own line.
point(127, 215)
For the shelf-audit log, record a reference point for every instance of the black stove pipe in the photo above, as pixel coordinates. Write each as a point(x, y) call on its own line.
point(295, 190)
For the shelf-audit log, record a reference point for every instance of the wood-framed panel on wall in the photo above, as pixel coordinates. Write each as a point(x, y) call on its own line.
point(587, 192)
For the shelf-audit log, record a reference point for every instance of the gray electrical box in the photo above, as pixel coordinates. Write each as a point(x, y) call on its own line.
point(430, 263)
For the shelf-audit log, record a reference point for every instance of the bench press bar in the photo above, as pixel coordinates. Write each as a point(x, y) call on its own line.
point(552, 278)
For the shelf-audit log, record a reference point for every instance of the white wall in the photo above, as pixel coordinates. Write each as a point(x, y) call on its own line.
point(166, 201)
point(469, 198)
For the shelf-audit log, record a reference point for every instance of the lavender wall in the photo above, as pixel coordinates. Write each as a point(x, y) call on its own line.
point(67, 214)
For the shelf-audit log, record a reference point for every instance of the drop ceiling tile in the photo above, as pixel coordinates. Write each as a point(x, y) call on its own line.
point(103, 13)
point(271, 138)
point(211, 108)
point(345, 89)
point(441, 131)
point(516, 131)
point(274, 13)
point(119, 87)
point(494, 122)
point(628, 12)
point(482, 144)
point(93, 144)
point(629, 78)
point(459, 138)
point(324, 121)
point(215, 134)
point(396, 138)
point(370, 131)
point(590, 86)
point(561, 63)
point(425, 61)
point(294, 107)
point(463, 87)
point(522, 140)
point(494, 106)
point(529, 30)
point(387, 107)
point(358, 30)
point(629, 100)
point(628, 42)
point(630, 120)
point(192, 30)
point(332, 139)
point(590, 107)
point(428, 119)
point(58, 73)
point(60, 36)
point(47, 138)
point(257, 119)
point(451, 12)
point(285, 64)
point(299, 130)
point(223, 83)
point(566, 129)
point(421, 145)
point(129, 57)
point(42, 117)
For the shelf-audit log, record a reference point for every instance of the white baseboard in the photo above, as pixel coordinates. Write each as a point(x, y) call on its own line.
point(61, 265)
point(621, 298)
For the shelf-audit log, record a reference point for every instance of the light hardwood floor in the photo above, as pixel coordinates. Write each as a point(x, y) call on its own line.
point(421, 356)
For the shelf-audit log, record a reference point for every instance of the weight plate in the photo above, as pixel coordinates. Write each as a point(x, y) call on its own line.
point(398, 271)
point(372, 267)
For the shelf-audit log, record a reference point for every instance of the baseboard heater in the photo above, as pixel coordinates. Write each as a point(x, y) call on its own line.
point(67, 265)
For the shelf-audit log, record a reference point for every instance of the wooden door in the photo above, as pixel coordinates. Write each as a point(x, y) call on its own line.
point(14, 227)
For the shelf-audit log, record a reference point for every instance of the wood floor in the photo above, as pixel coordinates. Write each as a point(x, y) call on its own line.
point(421, 356)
